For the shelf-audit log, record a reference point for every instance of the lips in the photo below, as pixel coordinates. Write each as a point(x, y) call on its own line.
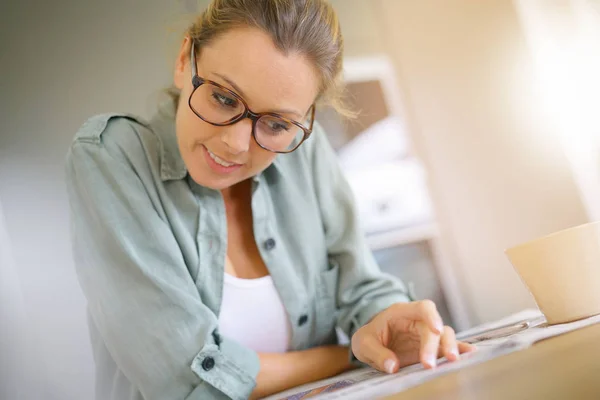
point(221, 161)
point(218, 164)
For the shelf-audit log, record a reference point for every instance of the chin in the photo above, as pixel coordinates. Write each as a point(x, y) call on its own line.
point(203, 178)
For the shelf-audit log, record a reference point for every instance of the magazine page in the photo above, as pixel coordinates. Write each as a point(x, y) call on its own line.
point(511, 334)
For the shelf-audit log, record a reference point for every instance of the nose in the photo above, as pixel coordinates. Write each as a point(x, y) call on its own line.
point(237, 137)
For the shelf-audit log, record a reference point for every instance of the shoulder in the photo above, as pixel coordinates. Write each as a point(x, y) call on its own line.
point(316, 148)
point(111, 153)
point(116, 149)
point(315, 142)
point(318, 153)
point(121, 136)
point(313, 166)
point(110, 128)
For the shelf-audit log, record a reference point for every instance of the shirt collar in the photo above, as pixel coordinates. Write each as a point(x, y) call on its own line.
point(172, 166)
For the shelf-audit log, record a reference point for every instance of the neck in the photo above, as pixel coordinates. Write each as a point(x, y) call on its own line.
point(240, 192)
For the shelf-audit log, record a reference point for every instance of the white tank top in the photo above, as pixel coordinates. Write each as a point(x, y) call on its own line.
point(253, 314)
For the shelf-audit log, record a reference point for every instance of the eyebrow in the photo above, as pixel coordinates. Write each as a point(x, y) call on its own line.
point(241, 93)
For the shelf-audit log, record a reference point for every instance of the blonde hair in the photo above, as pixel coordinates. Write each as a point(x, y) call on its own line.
point(309, 27)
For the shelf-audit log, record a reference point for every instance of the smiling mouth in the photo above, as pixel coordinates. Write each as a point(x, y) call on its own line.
point(219, 160)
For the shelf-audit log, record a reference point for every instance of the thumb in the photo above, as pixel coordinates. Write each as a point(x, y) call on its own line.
point(378, 356)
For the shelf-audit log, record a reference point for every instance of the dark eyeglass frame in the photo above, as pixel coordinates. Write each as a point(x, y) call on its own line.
point(254, 117)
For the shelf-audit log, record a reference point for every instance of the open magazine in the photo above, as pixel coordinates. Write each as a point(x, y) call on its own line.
point(514, 333)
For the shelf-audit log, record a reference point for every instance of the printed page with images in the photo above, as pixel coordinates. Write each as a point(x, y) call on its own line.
point(514, 333)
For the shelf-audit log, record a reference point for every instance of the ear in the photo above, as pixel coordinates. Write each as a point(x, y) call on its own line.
point(181, 74)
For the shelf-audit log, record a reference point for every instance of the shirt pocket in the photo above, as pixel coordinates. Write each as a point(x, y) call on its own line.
point(326, 304)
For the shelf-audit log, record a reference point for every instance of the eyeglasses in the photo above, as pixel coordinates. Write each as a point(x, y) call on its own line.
point(219, 106)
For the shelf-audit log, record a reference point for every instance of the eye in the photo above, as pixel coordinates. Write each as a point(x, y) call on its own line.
point(224, 100)
point(278, 126)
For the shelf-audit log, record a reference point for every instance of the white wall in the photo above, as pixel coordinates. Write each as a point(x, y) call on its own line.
point(61, 62)
point(564, 37)
point(496, 164)
point(12, 320)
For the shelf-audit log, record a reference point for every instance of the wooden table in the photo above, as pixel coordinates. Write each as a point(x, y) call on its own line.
point(563, 367)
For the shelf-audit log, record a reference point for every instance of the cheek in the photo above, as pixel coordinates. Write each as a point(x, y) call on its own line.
point(260, 158)
point(192, 131)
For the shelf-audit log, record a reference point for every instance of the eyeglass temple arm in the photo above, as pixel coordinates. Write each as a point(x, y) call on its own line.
point(312, 117)
point(193, 59)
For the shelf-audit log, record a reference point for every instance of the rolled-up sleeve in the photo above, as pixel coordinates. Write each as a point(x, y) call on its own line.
point(363, 290)
point(141, 297)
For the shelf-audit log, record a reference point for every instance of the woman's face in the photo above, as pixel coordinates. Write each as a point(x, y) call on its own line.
point(245, 61)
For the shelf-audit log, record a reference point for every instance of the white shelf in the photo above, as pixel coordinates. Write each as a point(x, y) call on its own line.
point(402, 236)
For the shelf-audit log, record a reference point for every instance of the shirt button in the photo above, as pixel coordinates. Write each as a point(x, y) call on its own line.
point(208, 363)
point(302, 320)
point(270, 244)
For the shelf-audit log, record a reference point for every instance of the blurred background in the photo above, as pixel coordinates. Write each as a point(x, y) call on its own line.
point(488, 111)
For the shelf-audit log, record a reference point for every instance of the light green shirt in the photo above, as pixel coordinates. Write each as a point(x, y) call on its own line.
point(150, 245)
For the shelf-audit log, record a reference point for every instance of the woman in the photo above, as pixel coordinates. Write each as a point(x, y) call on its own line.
point(217, 244)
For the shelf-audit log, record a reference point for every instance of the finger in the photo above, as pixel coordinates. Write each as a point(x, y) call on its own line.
point(466, 347)
point(426, 311)
point(378, 356)
point(448, 345)
point(430, 343)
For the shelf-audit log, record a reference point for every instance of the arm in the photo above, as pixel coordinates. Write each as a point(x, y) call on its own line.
point(279, 372)
point(387, 330)
point(140, 294)
point(363, 290)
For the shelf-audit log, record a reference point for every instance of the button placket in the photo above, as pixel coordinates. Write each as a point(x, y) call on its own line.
point(210, 246)
point(274, 255)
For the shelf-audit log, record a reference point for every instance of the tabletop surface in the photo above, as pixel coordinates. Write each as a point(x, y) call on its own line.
point(562, 367)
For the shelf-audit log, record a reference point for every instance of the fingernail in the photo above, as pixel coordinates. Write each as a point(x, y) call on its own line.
point(455, 354)
point(389, 366)
point(440, 327)
point(431, 361)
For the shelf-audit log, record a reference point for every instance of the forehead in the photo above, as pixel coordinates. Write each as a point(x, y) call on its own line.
point(268, 77)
